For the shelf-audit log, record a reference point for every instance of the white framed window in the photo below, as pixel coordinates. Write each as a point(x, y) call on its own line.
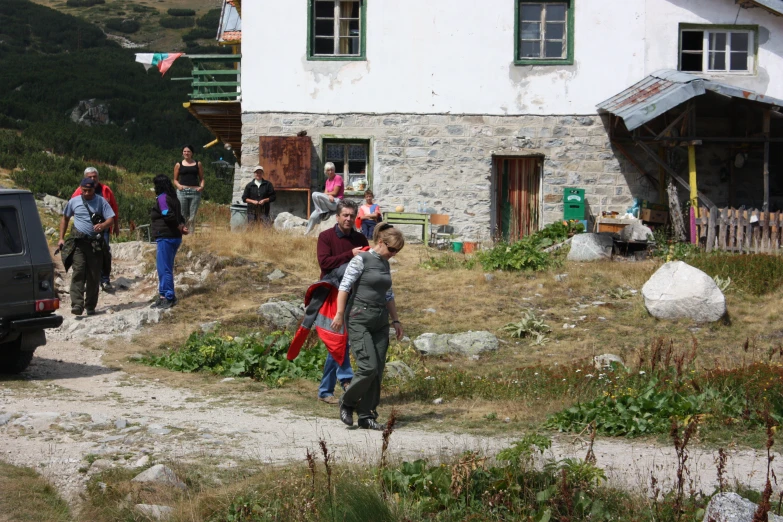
point(718, 50)
point(337, 28)
point(544, 32)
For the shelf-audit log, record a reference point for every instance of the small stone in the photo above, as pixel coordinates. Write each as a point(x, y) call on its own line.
point(112, 438)
point(159, 474)
point(210, 326)
point(100, 465)
point(50, 231)
point(507, 420)
point(143, 461)
point(120, 424)
point(603, 362)
point(4, 418)
point(560, 277)
point(135, 357)
point(489, 277)
point(276, 274)
point(227, 379)
point(602, 318)
point(154, 511)
point(429, 310)
point(598, 303)
point(102, 486)
point(438, 401)
point(566, 326)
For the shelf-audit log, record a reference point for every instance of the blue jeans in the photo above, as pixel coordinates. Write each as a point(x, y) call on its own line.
point(167, 249)
point(368, 227)
point(333, 372)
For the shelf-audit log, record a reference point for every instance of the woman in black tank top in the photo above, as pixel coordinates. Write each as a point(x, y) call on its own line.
point(189, 182)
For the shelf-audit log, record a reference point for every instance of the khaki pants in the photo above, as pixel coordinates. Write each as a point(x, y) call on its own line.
point(368, 334)
point(86, 272)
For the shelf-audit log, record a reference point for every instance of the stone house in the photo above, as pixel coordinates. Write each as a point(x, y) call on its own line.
point(486, 111)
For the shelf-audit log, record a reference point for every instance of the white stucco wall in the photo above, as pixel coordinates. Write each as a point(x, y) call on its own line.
point(456, 56)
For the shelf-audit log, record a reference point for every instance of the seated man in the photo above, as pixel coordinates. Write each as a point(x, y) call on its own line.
point(326, 202)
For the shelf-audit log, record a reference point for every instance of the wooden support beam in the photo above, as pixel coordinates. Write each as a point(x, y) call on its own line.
point(670, 171)
point(692, 179)
point(661, 176)
point(673, 124)
point(765, 128)
point(633, 162)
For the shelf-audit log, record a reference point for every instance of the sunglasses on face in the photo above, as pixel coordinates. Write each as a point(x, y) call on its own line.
point(391, 250)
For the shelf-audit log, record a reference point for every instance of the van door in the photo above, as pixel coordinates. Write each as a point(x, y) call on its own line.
point(16, 271)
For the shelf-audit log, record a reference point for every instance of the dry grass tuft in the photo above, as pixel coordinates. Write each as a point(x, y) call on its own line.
point(26, 496)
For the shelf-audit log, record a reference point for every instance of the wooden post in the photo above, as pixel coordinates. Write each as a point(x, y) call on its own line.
point(711, 228)
point(661, 177)
point(767, 116)
point(694, 190)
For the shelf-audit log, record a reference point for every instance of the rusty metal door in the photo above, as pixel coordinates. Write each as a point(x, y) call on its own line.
point(286, 160)
point(517, 196)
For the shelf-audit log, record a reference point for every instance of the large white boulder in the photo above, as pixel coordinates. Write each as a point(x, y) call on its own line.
point(730, 507)
point(680, 291)
point(591, 247)
point(465, 343)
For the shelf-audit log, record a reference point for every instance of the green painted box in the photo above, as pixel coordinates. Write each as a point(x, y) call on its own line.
point(573, 203)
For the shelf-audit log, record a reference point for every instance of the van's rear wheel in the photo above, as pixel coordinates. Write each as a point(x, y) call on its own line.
point(12, 358)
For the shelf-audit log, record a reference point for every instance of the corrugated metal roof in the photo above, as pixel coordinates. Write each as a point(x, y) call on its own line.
point(666, 89)
point(774, 6)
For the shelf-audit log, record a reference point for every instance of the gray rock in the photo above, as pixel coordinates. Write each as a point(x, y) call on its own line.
point(680, 291)
point(399, 370)
point(159, 431)
point(730, 507)
point(636, 231)
point(131, 250)
point(560, 277)
point(591, 247)
point(439, 400)
point(283, 314)
point(465, 343)
point(154, 511)
point(210, 326)
point(159, 474)
point(604, 362)
point(276, 274)
point(101, 465)
point(90, 112)
point(429, 310)
point(54, 203)
point(136, 357)
point(288, 221)
point(228, 379)
point(4, 418)
point(489, 277)
point(143, 461)
point(121, 424)
point(50, 231)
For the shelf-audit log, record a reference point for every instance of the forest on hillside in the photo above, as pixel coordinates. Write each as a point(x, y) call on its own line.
point(49, 61)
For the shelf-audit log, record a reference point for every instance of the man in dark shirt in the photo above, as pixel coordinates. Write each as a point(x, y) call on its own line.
point(336, 247)
point(258, 194)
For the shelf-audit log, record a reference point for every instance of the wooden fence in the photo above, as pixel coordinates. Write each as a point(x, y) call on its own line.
point(735, 230)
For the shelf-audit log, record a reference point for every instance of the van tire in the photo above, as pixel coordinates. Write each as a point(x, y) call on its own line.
point(13, 359)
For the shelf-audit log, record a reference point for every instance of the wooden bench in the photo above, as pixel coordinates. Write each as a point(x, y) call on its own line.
point(410, 218)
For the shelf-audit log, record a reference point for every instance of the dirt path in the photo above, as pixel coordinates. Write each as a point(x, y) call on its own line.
point(69, 405)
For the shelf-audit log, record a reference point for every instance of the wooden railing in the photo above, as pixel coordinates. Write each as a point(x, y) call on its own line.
point(740, 230)
point(216, 77)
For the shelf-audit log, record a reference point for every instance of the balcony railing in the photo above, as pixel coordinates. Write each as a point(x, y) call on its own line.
point(216, 77)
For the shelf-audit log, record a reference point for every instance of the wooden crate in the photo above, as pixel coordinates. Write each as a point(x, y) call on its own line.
point(612, 225)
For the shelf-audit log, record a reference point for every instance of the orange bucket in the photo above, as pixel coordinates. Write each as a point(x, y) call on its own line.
point(469, 247)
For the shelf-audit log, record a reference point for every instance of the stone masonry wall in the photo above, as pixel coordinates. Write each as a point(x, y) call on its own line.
point(445, 161)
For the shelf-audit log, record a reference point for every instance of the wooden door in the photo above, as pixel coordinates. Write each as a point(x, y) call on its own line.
point(517, 196)
point(286, 160)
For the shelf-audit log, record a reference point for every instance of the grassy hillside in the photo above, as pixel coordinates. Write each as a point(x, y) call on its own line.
point(50, 61)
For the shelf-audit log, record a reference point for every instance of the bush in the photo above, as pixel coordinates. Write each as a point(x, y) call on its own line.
point(181, 12)
point(210, 20)
point(177, 22)
point(527, 253)
point(127, 26)
point(198, 32)
point(263, 359)
point(84, 3)
point(137, 8)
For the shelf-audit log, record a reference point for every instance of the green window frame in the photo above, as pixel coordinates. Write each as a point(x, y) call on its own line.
point(718, 49)
point(540, 26)
point(328, 24)
point(350, 164)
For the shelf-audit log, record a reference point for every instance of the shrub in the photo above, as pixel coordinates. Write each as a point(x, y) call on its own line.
point(84, 3)
point(210, 20)
point(198, 32)
point(127, 26)
point(262, 358)
point(177, 22)
point(525, 254)
point(138, 8)
point(181, 12)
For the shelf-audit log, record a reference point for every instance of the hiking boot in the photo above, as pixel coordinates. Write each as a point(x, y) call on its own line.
point(346, 414)
point(91, 311)
point(167, 303)
point(76, 310)
point(107, 287)
point(159, 301)
point(371, 424)
point(329, 399)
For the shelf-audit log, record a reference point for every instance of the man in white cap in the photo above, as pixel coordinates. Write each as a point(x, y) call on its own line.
point(258, 194)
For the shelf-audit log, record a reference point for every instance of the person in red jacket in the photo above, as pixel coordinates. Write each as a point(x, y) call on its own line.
point(106, 193)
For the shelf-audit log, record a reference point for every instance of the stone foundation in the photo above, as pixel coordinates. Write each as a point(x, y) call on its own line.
point(445, 161)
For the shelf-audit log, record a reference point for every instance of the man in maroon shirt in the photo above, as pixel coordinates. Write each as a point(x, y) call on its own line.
point(336, 247)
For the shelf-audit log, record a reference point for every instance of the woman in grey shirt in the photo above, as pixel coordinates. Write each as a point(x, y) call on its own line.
point(371, 305)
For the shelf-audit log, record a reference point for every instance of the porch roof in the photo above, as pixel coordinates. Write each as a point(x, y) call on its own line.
point(666, 89)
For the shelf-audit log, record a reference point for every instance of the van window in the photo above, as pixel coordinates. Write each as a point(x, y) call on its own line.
point(10, 235)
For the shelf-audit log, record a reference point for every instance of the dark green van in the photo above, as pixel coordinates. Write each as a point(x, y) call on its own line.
point(28, 298)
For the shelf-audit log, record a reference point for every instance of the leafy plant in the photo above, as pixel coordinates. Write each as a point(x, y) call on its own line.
point(620, 293)
point(529, 326)
point(526, 254)
point(723, 284)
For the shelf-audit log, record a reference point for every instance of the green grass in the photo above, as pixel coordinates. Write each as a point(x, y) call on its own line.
point(26, 496)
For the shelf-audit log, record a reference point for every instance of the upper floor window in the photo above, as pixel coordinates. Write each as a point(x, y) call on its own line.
point(718, 49)
point(336, 30)
point(544, 32)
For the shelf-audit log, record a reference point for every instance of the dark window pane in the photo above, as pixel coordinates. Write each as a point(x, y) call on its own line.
point(739, 41)
point(690, 62)
point(739, 61)
point(10, 237)
point(530, 50)
point(335, 152)
point(324, 9)
point(693, 41)
point(530, 31)
point(555, 13)
point(349, 45)
point(324, 46)
point(324, 28)
point(354, 28)
point(555, 31)
point(716, 61)
point(554, 49)
point(357, 167)
point(349, 9)
point(339, 168)
point(530, 12)
point(717, 41)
